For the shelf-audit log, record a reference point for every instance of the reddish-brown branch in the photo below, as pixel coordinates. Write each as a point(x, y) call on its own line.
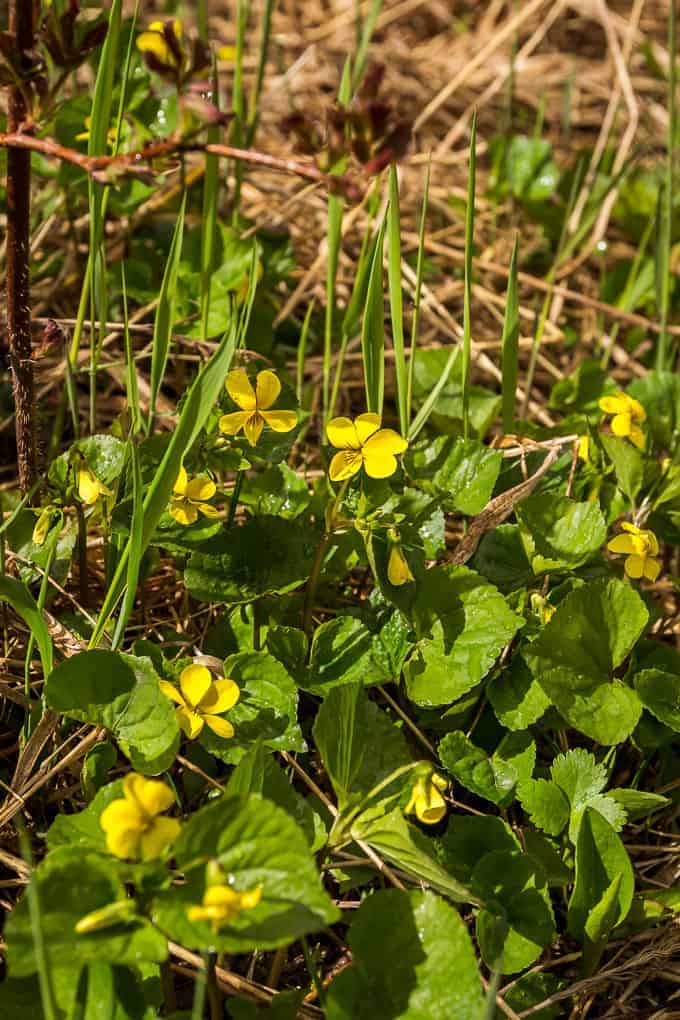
point(18, 294)
point(138, 162)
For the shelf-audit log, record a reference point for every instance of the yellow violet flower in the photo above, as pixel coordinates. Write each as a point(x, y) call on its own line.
point(427, 802)
point(90, 489)
point(156, 43)
point(640, 546)
point(202, 700)
point(133, 825)
point(111, 134)
point(584, 447)
point(255, 406)
point(398, 570)
point(362, 443)
point(42, 526)
point(628, 416)
point(189, 495)
point(222, 905)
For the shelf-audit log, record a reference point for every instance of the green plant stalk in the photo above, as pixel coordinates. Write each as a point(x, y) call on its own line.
point(625, 302)
point(315, 573)
point(510, 345)
point(301, 353)
point(41, 601)
point(131, 385)
point(467, 293)
point(663, 352)
point(254, 98)
point(209, 216)
point(396, 298)
point(200, 988)
point(313, 973)
point(416, 297)
point(42, 960)
point(233, 504)
point(365, 37)
point(237, 103)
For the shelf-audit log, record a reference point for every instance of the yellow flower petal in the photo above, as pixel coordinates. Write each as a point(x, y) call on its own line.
point(583, 447)
point(231, 424)
point(190, 722)
point(637, 436)
point(398, 571)
point(195, 682)
point(379, 464)
point(280, 421)
point(121, 814)
point(155, 44)
point(632, 528)
point(207, 510)
point(152, 795)
point(201, 488)
point(222, 696)
point(345, 464)
point(240, 390)
point(385, 441)
point(183, 511)
point(251, 898)
point(267, 389)
point(180, 486)
point(222, 727)
point(253, 428)
point(89, 487)
point(158, 837)
point(366, 425)
point(123, 842)
point(621, 425)
point(652, 541)
point(342, 434)
point(170, 691)
point(652, 569)
point(637, 411)
point(617, 404)
point(622, 544)
point(634, 566)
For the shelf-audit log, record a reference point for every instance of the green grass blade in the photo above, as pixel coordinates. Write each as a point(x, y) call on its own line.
point(426, 410)
point(42, 960)
point(165, 314)
point(396, 298)
point(209, 214)
point(237, 101)
point(136, 551)
point(131, 387)
point(469, 241)
point(254, 98)
point(665, 212)
point(373, 331)
point(197, 406)
point(302, 353)
point(22, 602)
point(510, 345)
point(416, 297)
point(364, 42)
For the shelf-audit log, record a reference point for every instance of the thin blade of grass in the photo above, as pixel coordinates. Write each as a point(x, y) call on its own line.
point(45, 981)
point(198, 405)
point(417, 294)
point(254, 98)
point(510, 345)
point(131, 387)
point(136, 551)
point(366, 34)
point(22, 602)
point(237, 102)
point(373, 331)
point(165, 314)
point(396, 297)
point(302, 353)
point(665, 210)
point(209, 213)
point(467, 293)
point(425, 411)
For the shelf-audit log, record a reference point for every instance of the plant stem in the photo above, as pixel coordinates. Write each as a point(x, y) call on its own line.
point(234, 498)
point(18, 295)
point(313, 582)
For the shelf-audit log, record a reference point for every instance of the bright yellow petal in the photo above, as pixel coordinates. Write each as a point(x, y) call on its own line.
point(622, 544)
point(379, 464)
point(183, 512)
point(342, 434)
point(190, 723)
point(158, 837)
point(621, 425)
point(637, 436)
point(201, 488)
point(240, 390)
point(195, 682)
point(632, 528)
point(152, 795)
point(170, 691)
point(180, 486)
point(385, 441)
point(431, 808)
point(231, 424)
point(583, 447)
point(222, 696)
point(207, 510)
point(121, 814)
point(614, 405)
point(652, 569)
point(267, 389)
point(123, 842)
point(222, 727)
point(88, 487)
point(280, 421)
point(154, 42)
point(634, 567)
point(253, 428)
point(398, 571)
point(652, 543)
point(345, 464)
point(250, 898)
point(366, 426)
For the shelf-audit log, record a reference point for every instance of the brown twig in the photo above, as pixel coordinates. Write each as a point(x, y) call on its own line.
point(18, 296)
point(138, 162)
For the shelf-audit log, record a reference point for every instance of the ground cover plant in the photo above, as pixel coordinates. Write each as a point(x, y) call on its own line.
point(339, 511)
